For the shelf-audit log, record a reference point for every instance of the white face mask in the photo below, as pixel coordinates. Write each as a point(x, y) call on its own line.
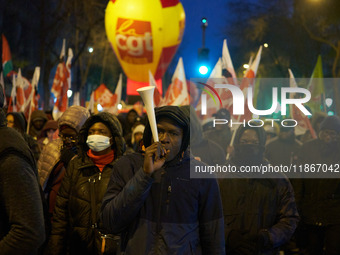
point(98, 142)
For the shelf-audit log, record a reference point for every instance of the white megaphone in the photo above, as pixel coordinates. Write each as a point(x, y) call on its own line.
point(147, 95)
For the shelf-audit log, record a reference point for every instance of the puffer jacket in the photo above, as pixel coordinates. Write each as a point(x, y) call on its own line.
point(166, 213)
point(76, 227)
point(48, 159)
point(74, 117)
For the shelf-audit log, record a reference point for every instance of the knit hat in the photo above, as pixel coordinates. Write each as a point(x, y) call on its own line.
point(138, 129)
point(331, 123)
point(178, 116)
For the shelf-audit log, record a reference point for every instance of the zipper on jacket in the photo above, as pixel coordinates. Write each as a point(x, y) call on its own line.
point(100, 176)
point(168, 199)
point(158, 222)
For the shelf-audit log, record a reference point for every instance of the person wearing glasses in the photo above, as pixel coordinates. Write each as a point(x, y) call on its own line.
point(260, 213)
point(57, 154)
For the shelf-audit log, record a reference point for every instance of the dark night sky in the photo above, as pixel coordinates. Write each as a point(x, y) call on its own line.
point(215, 11)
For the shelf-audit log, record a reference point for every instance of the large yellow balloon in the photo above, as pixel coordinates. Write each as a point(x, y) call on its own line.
point(144, 35)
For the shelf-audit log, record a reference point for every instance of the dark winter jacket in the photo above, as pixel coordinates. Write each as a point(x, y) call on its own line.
point(319, 199)
point(283, 152)
point(257, 206)
point(166, 213)
point(21, 214)
point(222, 137)
point(75, 226)
point(207, 150)
point(254, 205)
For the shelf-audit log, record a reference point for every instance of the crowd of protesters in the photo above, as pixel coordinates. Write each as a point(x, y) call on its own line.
point(99, 184)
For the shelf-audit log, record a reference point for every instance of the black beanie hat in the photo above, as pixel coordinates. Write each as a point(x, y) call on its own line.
point(178, 116)
point(331, 123)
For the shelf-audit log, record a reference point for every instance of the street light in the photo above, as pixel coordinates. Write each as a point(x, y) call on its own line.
point(203, 53)
point(329, 101)
point(99, 108)
point(203, 69)
point(204, 25)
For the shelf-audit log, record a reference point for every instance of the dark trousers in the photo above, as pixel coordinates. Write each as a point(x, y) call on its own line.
point(322, 240)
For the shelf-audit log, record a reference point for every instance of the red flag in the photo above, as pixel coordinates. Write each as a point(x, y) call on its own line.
point(33, 98)
point(248, 82)
point(104, 97)
point(7, 65)
point(157, 97)
point(228, 70)
point(60, 87)
point(296, 114)
point(177, 93)
point(61, 84)
point(22, 86)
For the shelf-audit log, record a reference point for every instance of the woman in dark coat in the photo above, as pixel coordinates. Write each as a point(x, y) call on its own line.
point(75, 227)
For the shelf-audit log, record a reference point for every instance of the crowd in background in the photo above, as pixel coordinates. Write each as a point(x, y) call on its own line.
point(92, 181)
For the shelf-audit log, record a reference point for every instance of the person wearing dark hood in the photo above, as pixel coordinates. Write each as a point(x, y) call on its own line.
point(38, 120)
point(205, 149)
point(128, 123)
point(272, 130)
point(76, 227)
point(221, 134)
point(319, 199)
point(154, 204)
point(17, 121)
point(47, 133)
point(21, 213)
point(284, 148)
point(316, 120)
point(260, 213)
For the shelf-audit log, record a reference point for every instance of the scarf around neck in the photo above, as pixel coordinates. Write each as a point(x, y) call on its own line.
point(101, 160)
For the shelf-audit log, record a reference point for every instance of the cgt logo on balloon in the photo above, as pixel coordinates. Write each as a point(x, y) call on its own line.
point(238, 99)
point(134, 41)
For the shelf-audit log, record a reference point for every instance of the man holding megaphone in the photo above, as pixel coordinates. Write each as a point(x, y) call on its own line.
point(152, 202)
